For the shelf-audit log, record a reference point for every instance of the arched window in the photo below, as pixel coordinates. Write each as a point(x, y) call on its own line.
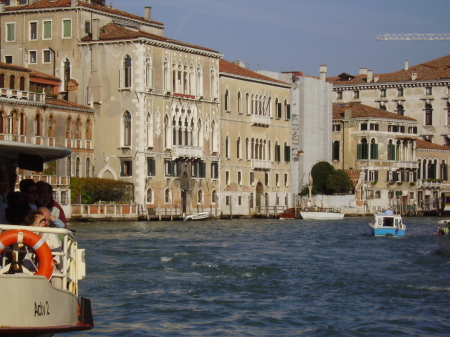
point(167, 196)
point(88, 168)
point(166, 74)
point(77, 167)
point(69, 166)
point(38, 125)
point(2, 124)
point(247, 103)
point(2, 80)
point(238, 148)
point(239, 103)
point(335, 150)
point(443, 171)
point(227, 100)
point(22, 83)
point(66, 74)
point(428, 114)
point(400, 110)
point(227, 147)
point(126, 129)
point(213, 197)
point(88, 129)
point(126, 72)
point(148, 73)
point(51, 126)
point(391, 150)
point(23, 124)
point(149, 196)
point(78, 128)
point(213, 80)
point(69, 127)
point(12, 81)
point(373, 149)
point(363, 149)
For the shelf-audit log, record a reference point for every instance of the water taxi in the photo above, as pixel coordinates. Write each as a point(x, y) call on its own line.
point(387, 224)
point(43, 300)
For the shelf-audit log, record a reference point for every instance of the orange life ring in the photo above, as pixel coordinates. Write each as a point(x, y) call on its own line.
point(34, 241)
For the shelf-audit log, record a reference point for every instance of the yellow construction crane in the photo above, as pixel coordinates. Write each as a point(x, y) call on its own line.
point(431, 37)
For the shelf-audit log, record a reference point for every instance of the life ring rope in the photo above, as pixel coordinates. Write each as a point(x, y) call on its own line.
point(34, 241)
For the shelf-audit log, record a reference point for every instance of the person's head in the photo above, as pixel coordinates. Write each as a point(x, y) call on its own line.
point(29, 189)
point(35, 218)
point(45, 191)
point(47, 216)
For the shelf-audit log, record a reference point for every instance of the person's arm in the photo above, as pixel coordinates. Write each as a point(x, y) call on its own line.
point(57, 223)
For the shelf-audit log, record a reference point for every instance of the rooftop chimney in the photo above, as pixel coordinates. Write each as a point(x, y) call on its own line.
point(413, 76)
point(369, 76)
point(376, 78)
point(74, 3)
point(406, 65)
point(95, 29)
point(363, 71)
point(148, 13)
point(323, 72)
point(239, 63)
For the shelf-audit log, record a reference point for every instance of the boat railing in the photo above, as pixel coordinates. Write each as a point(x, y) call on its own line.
point(72, 266)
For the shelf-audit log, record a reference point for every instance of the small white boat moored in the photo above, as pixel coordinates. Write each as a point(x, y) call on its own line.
point(318, 213)
point(387, 224)
point(197, 216)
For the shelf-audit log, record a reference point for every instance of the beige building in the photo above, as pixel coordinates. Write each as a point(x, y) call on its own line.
point(421, 92)
point(156, 100)
point(255, 142)
point(379, 149)
point(28, 114)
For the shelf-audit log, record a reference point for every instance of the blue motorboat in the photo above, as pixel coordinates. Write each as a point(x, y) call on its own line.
point(387, 224)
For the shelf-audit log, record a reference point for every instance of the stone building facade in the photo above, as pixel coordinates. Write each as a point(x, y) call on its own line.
point(255, 142)
point(421, 92)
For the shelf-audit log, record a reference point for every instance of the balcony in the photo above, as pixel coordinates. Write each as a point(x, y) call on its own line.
point(13, 138)
point(261, 164)
point(394, 164)
point(260, 120)
point(429, 183)
point(22, 95)
point(187, 151)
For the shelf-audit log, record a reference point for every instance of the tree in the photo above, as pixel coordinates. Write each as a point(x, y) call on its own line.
point(339, 181)
point(319, 173)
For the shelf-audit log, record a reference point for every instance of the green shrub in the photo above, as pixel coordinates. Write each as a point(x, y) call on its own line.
point(93, 190)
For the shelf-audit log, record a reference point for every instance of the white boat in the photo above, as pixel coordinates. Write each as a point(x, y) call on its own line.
point(442, 237)
point(318, 213)
point(44, 302)
point(197, 216)
point(387, 224)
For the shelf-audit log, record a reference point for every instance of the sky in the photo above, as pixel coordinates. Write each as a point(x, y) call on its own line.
point(301, 35)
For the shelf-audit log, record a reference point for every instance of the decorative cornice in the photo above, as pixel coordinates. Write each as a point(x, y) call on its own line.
point(255, 80)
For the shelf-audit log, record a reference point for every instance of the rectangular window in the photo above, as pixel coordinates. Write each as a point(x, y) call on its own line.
point(8, 59)
point(373, 127)
point(286, 180)
point(151, 167)
point(87, 27)
point(383, 93)
point(215, 170)
point(47, 56)
point(336, 127)
point(33, 56)
point(126, 168)
point(67, 28)
point(239, 201)
point(227, 177)
point(33, 31)
point(239, 178)
point(46, 30)
point(252, 176)
point(339, 95)
point(266, 179)
point(429, 91)
point(364, 127)
point(227, 200)
point(356, 94)
point(277, 180)
point(400, 92)
point(10, 31)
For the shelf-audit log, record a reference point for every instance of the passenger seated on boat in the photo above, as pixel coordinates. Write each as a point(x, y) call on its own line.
point(36, 218)
point(389, 212)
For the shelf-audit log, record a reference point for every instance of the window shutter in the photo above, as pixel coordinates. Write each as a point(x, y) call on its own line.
point(445, 178)
point(376, 175)
point(67, 28)
point(279, 110)
point(288, 111)
point(375, 151)
point(359, 151)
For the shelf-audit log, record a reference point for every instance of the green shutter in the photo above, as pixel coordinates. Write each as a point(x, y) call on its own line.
point(11, 31)
point(359, 151)
point(67, 27)
point(279, 110)
point(288, 111)
point(47, 29)
point(375, 151)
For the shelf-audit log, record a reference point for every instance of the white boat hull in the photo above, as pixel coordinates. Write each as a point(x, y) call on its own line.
point(198, 216)
point(322, 215)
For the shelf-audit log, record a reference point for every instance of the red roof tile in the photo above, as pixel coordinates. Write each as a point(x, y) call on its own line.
point(234, 69)
point(113, 32)
point(13, 67)
point(36, 73)
point(364, 111)
point(43, 4)
point(63, 103)
point(432, 70)
point(422, 144)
